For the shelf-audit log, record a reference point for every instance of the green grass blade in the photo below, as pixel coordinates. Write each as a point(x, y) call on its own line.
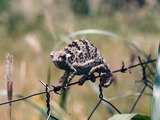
point(99, 32)
point(130, 117)
point(49, 76)
point(63, 99)
point(156, 92)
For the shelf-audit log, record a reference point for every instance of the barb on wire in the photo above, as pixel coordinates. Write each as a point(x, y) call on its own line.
point(56, 89)
point(124, 69)
point(133, 66)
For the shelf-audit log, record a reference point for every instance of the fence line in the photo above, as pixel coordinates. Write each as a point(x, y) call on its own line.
point(123, 69)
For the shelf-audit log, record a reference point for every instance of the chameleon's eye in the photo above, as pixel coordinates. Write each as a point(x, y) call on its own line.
point(51, 55)
point(62, 55)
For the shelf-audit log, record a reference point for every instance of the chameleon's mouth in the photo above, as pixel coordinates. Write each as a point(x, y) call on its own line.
point(56, 64)
point(60, 65)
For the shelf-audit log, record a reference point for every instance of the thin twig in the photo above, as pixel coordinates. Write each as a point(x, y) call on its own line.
point(9, 80)
point(123, 96)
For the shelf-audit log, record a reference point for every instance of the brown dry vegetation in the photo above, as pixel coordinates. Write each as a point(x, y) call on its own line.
point(29, 30)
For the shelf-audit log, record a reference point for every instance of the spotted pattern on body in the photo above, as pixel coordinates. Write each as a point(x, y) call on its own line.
point(81, 57)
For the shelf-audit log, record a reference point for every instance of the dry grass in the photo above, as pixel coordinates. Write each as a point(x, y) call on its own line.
point(44, 24)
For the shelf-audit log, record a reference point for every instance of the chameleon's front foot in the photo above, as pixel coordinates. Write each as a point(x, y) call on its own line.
point(92, 77)
point(64, 83)
point(65, 86)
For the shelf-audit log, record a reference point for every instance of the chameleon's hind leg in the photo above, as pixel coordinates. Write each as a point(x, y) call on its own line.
point(106, 79)
point(106, 76)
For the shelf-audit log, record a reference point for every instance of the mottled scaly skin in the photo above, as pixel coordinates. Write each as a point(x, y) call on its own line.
point(81, 57)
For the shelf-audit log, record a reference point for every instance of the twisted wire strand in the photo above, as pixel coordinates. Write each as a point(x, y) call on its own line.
point(48, 104)
point(56, 89)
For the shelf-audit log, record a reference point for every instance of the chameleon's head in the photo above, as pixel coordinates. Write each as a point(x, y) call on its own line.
point(59, 59)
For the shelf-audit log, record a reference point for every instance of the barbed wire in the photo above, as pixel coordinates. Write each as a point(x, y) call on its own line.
point(56, 89)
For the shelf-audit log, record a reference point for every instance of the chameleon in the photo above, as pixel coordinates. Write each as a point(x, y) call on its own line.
point(81, 57)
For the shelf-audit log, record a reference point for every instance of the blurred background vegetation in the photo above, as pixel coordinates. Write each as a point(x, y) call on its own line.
point(30, 29)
